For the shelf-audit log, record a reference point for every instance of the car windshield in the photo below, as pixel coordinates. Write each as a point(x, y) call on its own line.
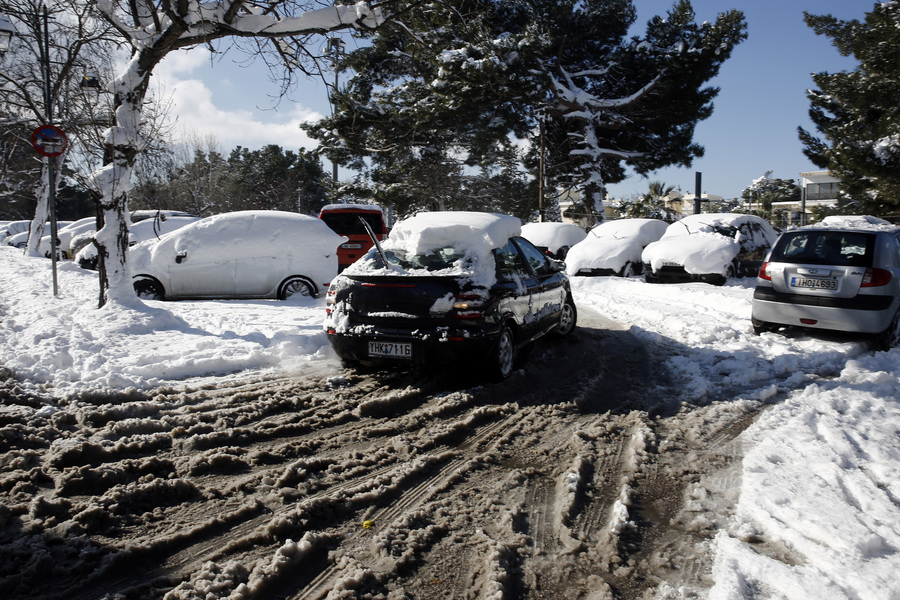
point(839, 248)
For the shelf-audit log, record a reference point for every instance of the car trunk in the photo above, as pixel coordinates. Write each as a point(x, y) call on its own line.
point(815, 280)
point(821, 263)
point(402, 302)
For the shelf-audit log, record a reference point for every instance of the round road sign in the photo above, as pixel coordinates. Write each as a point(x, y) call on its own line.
point(49, 140)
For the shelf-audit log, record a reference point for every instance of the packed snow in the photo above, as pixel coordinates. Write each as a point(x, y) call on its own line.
point(459, 241)
point(821, 466)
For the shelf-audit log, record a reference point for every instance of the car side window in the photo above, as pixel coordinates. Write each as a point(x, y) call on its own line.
point(510, 265)
point(536, 259)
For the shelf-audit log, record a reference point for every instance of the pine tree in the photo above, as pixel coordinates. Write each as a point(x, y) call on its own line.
point(460, 85)
point(858, 112)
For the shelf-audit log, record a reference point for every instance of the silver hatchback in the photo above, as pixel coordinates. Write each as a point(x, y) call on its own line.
point(842, 274)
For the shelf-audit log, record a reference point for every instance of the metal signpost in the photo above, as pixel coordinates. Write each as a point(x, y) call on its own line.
point(51, 141)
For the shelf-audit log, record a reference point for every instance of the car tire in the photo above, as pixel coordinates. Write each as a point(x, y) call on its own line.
point(503, 358)
point(629, 270)
point(567, 318)
point(147, 288)
point(890, 337)
point(296, 286)
point(761, 326)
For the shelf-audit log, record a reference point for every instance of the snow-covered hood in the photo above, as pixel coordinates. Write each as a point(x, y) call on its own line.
point(602, 253)
point(700, 253)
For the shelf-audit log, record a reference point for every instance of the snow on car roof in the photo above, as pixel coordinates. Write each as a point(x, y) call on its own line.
point(861, 222)
point(469, 232)
point(622, 228)
point(553, 235)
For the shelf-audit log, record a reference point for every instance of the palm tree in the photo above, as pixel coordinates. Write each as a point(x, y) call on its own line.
point(651, 204)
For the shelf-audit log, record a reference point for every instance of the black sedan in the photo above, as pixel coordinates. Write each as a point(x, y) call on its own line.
point(447, 287)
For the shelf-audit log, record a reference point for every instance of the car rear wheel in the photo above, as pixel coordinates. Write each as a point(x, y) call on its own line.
point(761, 326)
point(890, 337)
point(504, 355)
point(567, 319)
point(148, 289)
point(296, 286)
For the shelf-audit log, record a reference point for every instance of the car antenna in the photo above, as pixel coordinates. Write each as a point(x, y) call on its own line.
point(375, 241)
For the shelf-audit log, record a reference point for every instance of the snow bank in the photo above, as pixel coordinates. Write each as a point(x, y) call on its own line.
point(65, 344)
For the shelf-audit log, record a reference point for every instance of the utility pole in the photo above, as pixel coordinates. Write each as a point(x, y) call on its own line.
point(51, 160)
point(336, 48)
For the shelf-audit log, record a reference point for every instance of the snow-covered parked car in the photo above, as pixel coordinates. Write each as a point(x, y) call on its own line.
point(614, 247)
point(14, 228)
point(842, 274)
point(709, 247)
point(64, 236)
point(147, 229)
point(447, 287)
point(553, 238)
point(245, 254)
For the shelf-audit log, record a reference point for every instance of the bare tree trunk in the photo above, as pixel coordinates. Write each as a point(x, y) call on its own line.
point(41, 212)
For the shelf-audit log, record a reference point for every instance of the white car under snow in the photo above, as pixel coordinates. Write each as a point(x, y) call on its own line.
point(709, 247)
point(245, 254)
point(614, 247)
point(554, 238)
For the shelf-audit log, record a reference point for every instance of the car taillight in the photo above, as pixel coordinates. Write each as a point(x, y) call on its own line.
point(764, 272)
point(468, 306)
point(876, 278)
point(329, 300)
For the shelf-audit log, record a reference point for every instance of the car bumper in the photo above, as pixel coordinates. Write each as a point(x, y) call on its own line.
point(679, 275)
point(864, 313)
point(427, 348)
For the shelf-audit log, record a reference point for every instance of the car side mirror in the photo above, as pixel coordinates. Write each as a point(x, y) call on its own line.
point(557, 266)
point(181, 256)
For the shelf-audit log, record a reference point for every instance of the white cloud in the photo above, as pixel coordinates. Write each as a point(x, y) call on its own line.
point(231, 119)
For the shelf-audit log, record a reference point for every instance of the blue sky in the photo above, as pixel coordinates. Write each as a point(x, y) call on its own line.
point(753, 129)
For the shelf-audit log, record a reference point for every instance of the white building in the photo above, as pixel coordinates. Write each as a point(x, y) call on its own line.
point(817, 188)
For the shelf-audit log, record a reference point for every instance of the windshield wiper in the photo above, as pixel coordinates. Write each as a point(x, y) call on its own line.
point(375, 241)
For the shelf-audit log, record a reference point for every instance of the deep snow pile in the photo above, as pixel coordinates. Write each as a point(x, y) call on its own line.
point(820, 471)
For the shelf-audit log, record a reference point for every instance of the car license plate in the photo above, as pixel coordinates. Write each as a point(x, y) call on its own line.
point(352, 246)
point(390, 349)
point(813, 283)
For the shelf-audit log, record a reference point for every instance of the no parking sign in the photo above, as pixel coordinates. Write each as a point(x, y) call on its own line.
point(49, 140)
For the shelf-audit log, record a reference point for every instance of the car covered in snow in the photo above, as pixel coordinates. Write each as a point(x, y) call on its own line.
point(709, 247)
point(245, 254)
point(614, 247)
point(553, 238)
point(842, 274)
point(13, 228)
point(146, 229)
point(447, 287)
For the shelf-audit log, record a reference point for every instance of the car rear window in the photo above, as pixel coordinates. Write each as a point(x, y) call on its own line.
point(349, 223)
point(839, 248)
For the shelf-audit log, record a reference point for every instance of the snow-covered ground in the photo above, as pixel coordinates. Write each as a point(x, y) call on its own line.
point(821, 468)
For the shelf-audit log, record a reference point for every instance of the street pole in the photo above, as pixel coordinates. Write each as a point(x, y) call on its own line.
point(51, 160)
point(335, 43)
point(697, 179)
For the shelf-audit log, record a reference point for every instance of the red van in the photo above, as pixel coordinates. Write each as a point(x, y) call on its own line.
point(343, 219)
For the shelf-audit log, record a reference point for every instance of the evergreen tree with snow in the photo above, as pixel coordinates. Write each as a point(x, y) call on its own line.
point(463, 85)
point(858, 112)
